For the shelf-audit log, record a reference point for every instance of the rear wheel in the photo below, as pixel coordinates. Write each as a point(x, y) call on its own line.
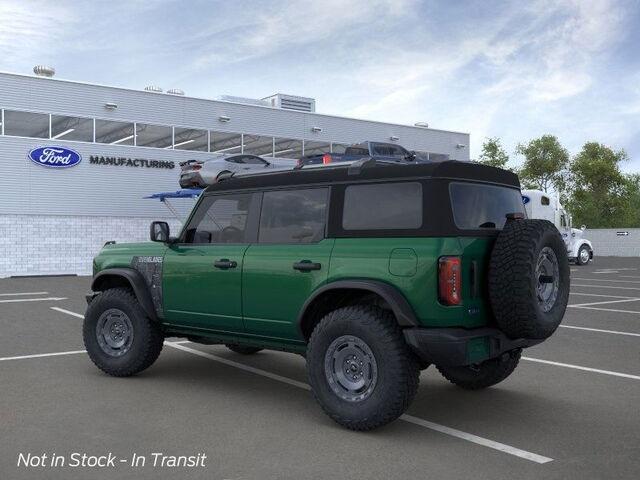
point(119, 337)
point(486, 374)
point(583, 255)
point(242, 349)
point(360, 369)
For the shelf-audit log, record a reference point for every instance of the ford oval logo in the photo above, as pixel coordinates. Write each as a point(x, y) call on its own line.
point(55, 157)
point(525, 199)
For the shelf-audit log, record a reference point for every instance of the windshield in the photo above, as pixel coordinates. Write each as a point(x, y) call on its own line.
point(478, 206)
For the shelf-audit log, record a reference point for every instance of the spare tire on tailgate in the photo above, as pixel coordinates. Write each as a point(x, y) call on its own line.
point(529, 279)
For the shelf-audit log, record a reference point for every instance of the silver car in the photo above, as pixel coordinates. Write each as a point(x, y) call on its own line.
point(200, 173)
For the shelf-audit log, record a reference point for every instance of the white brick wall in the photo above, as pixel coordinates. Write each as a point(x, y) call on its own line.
point(54, 245)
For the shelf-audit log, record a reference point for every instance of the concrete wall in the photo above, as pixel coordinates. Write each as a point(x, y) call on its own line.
point(609, 242)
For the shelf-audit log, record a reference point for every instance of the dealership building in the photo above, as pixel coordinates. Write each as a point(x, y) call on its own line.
point(77, 159)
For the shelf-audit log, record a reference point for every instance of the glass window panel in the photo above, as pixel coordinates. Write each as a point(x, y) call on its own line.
point(338, 148)
point(478, 206)
point(226, 142)
point(26, 124)
point(71, 128)
point(115, 133)
point(287, 148)
point(190, 139)
point(221, 219)
point(293, 216)
point(386, 206)
point(316, 148)
point(157, 136)
point(257, 145)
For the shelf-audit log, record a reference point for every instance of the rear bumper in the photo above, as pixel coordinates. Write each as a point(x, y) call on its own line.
point(459, 346)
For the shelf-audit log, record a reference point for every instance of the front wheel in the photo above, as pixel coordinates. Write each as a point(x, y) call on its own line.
point(583, 255)
point(361, 371)
point(119, 337)
point(486, 374)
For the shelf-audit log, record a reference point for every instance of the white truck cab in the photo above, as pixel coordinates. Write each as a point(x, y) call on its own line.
point(539, 204)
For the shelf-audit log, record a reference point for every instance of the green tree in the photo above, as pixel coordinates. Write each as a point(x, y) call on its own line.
point(601, 195)
point(545, 164)
point(493, 154)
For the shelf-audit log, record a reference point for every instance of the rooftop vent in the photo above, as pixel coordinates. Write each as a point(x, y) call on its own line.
point(44, 71)
point(422, 124)
point(153, 88)
point(175, 91)
point(292, 102)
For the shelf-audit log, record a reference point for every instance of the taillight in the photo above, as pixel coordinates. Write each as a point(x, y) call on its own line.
point(449, 280)
point(326, 159)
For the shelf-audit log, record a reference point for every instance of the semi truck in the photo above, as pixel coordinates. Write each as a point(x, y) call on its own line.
point(542, 205)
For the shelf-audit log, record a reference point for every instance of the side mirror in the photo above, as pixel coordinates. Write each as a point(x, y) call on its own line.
point(159, 232)
point(583, 227)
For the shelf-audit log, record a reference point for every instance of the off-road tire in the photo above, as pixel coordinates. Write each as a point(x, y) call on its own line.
point(486, 374)
point(397, 368)
point(147, 336)
point(579, 257)
point(513, 282)
point(242, 349)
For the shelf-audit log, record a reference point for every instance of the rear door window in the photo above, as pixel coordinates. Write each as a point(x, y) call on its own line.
point(478, 206)
point(383, 206)
point(293, 216)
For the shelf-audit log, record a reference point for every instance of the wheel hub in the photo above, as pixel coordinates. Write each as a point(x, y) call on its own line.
point(584, 255)
point(547, 279)
point(114, 332)
point(350, 368)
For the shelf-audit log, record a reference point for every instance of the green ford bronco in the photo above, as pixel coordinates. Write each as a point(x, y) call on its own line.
point(371, 271)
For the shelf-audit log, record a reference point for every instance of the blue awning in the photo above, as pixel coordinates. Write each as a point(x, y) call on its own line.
point(184, 193)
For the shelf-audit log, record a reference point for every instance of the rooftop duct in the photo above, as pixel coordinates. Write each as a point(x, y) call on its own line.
point(175, 91)
point(153, 88)
point(44, 71)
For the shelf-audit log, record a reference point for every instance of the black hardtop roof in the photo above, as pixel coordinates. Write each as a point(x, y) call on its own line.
point(340, 173)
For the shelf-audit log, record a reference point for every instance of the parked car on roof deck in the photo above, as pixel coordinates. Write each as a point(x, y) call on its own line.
point(200, 173)
point(385, 152)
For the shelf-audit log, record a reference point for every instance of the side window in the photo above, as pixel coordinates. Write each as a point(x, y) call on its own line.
point(293, 216)
point(221, 219)
point(383, 206)
point(251, 160)
point(544, 200)
point(563, 221)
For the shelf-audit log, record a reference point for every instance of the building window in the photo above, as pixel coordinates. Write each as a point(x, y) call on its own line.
point(114, 133)
point(156, 136)
point(190, 139)
point(293, 216)
point(257, 145)
point(71, 128)
point(226, 142)
point(316, 148)
point(389, 206)
point(287, 148)
point(338, 148)
point(26, 124)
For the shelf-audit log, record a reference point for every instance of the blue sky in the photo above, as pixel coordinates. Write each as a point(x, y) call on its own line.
point(515, 70)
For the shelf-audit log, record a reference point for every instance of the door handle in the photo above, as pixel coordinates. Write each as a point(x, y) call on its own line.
point(225, 263)
point(306, 266)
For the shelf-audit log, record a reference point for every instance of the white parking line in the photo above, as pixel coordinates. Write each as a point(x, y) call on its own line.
point(23, 293)
point(47, 299)
point(586, 369)
point(606, 286)
point(407, 418)
point(68, 312)
point(40, 355)
point(597, 295)
point(577, 305)
point(601, 330)
point(608, 310)
point(606, 280)
point(629, 276)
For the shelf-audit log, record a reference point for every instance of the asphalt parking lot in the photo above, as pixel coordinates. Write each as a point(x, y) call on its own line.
point(571, 409)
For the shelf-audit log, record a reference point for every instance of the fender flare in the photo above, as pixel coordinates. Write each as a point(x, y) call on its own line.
point(135, 280)
point(399, 305)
